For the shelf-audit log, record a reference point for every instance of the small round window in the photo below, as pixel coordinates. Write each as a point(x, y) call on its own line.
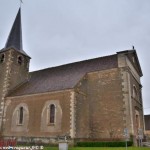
point(2, 57)
point(20, 60)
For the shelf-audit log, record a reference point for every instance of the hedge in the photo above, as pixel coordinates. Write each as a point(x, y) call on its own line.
point(104, 144)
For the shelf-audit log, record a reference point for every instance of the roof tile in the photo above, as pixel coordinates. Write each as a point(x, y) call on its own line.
point(63, 77)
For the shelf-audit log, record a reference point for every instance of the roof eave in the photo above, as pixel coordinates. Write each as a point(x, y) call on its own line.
point(14, 48)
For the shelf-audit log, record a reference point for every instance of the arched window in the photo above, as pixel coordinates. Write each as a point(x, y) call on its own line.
point(51, 116)
point(52, 113)
point(137, 121)
point(2, 56)
point(20, 117)
point(135, 94)
point(20, 59)
point(27, 65)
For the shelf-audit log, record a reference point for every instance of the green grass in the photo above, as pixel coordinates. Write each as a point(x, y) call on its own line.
point(97, 148)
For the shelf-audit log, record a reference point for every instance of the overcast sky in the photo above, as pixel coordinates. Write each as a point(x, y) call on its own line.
point(57, 32)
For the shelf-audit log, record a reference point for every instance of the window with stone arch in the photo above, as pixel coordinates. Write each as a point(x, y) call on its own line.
point(20, 115)
point(135, 93)
point(20, 60)
point(52, 110)
point(20, 118)
point(137, 120)
point(2, 57)
point(51, 116)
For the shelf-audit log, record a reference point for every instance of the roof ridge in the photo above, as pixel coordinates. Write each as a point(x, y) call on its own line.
point(82, 61)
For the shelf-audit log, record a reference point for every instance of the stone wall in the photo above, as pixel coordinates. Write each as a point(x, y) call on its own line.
point(137, 105)
point(132, 93)
point(18, 72)
point(82, 109)
point(99, 105)
point(12, 74)
point(105, 103)
point(4, 73)
point(35, 125)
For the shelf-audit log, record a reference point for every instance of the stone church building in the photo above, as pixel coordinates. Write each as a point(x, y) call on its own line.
point(86, 100)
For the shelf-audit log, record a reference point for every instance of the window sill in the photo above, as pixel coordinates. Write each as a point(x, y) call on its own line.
point(51, 124)
point(19, 124)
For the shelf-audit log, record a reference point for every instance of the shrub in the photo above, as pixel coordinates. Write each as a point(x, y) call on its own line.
point(104, 144)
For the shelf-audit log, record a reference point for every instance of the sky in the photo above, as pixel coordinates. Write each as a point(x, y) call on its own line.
point(57, 32)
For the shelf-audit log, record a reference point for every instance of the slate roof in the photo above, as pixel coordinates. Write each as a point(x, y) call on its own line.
point(14, 39)
point(63, 77)
point(15, 36)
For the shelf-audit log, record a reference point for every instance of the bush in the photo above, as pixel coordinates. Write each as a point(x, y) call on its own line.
point(104, 144)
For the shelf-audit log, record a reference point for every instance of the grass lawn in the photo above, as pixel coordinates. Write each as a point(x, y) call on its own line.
point(99, 148)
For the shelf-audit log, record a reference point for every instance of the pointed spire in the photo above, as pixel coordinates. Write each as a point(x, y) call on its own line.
point(15, 36)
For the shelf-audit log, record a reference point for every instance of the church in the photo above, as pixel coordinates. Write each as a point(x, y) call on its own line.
point(89, 100)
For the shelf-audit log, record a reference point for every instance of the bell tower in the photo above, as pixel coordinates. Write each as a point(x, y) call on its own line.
point(14, 63)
